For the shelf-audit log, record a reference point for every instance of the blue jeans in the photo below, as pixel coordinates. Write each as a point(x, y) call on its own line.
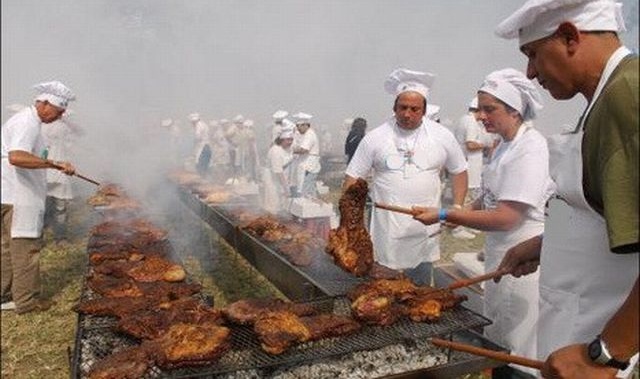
point(421, 274)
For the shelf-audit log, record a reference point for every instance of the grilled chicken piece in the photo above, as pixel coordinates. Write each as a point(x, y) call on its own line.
point(246, 311)
point(329, 325)
point(399, 288)
point(154, 322)
point(421, 310)
point(350, 244)
point(376, 309)
point(191, 345)
point(153, 269)
point(125, 287)
point(279, 330)
point(129, 363)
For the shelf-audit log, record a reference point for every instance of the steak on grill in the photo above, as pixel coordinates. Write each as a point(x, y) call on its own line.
point(246, 311)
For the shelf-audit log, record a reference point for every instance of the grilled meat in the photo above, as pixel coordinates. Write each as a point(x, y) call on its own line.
point(421, 310)
point(153, 269)
point(329, 325)
point(125, 287)
point(376, 308)
point(398, 288)
point(350, 244)
point(154, 322)
point(279, 330)
point(246, 311)
point(129, 363)
point(116, 306)
point(190, 345)
point(379, 271)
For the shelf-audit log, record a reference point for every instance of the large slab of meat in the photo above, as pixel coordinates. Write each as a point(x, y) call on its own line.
point(247, 311)
point(350, 244)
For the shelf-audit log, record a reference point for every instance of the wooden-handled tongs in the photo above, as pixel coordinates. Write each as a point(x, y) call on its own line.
point(78, 175)
point(497, 355)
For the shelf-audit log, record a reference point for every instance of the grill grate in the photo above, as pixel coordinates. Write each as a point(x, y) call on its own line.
point(97, 340)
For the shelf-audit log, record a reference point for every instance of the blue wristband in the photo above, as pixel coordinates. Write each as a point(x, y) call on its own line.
point(442, 215)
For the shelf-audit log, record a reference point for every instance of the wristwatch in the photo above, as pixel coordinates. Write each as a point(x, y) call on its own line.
point(599, 354)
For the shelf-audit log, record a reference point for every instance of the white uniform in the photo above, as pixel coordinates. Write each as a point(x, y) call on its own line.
point(277, 159)
point(58, 137)
point(306, 162)
point(512, 304)
point(582, 284)
point(474, 133)
point(201, 138)
point(25, 189)
point(399, 241)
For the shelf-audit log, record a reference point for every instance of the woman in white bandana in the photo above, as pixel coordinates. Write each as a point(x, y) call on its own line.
point(515, 188)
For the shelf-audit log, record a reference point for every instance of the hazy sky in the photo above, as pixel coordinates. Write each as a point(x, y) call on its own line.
point(135, 62)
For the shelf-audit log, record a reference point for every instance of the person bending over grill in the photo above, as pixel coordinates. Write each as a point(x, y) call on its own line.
point(24, 191)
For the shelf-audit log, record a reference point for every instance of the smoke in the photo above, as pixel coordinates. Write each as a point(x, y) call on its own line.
point(133, 63)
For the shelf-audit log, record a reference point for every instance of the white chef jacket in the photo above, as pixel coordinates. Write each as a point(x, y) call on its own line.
point(474, 133)
point(25, 189)
point(277, 159)
point(201, 138)
point(58, 137)
point(518, 171)
point(309, 161)
point(399, 241)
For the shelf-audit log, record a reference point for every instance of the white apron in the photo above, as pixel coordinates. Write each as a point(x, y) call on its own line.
point(58, 140)
point(29, 199)
point(582, 283)
point(512, 304)
point(273, 192)
point(399, 241)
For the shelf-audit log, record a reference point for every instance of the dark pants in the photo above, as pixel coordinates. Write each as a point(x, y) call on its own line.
point(507, 372)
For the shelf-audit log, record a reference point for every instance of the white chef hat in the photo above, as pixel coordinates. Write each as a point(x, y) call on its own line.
point(15, 107)
point(224, 121)
point(347, 122)
point(537, 19)
point(238, 119)
point(55, 93)
point(213, 123)
point(512, 87)
point(433, 111)
point(473, 104)
point(302, 118)
point(166, 122)
point(403, 80)
point(247, 123)
point(279, 115)
point(286, 133)
point(193, 117)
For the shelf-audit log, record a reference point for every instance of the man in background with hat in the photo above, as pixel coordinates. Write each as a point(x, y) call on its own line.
point(307, 148)
point(406, 154)
point(24, 191)
point(589, 300)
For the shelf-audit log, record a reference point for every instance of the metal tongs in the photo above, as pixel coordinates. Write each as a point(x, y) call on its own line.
point(78, 175)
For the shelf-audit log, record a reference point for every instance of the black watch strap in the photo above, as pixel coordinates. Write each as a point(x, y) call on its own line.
point(599, 354)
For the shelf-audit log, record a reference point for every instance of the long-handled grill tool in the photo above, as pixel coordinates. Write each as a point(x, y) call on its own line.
point(78, 175)
point(497, 355)
point(467, 282)
point(407, 211)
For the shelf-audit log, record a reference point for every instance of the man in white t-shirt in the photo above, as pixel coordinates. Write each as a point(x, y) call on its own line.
point(306, 147)
point(24, 191)
point(406, 154)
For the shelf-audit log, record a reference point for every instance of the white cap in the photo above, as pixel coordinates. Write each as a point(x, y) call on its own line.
point(286, 133)
point(433, 111)
point(15, 108)
point(238, 119)
point(403, 80)
point(347, 122)
point(213, 123)
point(279, 115)
point(55, 93)
point(302, 118)
point(166, 122)
point(537, 19)
point(248, 123)
point(512, 87)
point(193, 117)
point(224, 121)
point(473, 104)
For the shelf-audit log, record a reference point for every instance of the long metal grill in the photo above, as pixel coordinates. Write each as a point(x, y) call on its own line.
point(95, 340)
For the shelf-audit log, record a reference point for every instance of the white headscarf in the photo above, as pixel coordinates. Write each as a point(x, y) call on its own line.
point(55, 93)
point(512, 87)
point(537, 19)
